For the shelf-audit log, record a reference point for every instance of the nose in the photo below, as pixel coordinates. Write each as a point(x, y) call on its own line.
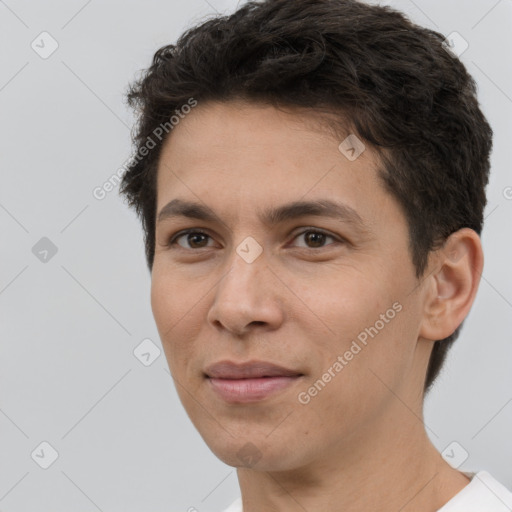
point(247, 298)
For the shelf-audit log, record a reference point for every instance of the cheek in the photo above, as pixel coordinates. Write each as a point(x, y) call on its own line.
point(173, 299)
point(172, 313)
point(368, 327)
point(347, 302)
point(161, 303)
point(355, 380)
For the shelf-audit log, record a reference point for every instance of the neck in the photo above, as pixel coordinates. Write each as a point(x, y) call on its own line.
point(392, 467)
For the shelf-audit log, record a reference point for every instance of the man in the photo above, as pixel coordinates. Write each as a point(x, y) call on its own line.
point(311, 180)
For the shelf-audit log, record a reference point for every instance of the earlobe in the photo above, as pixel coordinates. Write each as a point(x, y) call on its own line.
point(453, 284)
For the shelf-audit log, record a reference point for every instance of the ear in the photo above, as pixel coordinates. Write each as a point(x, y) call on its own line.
point(452, 286)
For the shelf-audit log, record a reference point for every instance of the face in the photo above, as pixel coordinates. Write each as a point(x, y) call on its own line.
point(331, 297)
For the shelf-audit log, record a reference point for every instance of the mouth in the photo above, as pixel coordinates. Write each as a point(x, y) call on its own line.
point(249, 382)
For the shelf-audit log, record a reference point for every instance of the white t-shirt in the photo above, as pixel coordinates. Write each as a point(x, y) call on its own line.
point(482, 494)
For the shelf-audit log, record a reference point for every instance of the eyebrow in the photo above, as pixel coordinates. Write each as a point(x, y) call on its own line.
point(271, 216)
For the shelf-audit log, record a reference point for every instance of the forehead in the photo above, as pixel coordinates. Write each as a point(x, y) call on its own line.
point(237, 125)
point(242, 158)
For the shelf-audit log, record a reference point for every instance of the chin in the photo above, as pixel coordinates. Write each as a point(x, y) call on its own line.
point(254, 452)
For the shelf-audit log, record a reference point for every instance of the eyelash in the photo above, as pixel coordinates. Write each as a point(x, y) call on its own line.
point(173, 239)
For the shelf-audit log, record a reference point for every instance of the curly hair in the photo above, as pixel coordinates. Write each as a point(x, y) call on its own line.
point(397, 84)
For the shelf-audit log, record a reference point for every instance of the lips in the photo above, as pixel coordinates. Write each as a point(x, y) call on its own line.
point(253, 381)
point(248, 370)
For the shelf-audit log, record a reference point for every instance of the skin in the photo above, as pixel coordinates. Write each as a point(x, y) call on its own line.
point(360, 443)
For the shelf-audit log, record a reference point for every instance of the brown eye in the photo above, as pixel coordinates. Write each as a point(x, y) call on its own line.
point(314, 238)
point(195, 239)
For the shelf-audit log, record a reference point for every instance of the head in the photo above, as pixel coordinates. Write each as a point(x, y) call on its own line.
point(246, 113)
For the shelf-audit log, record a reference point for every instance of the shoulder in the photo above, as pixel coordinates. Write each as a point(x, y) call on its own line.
point(236, 506)
point(483, 494)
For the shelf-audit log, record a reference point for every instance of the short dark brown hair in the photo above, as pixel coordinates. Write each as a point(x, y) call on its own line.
point(401, 90)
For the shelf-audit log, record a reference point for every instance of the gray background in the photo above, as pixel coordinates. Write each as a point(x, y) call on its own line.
point(69, 326)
